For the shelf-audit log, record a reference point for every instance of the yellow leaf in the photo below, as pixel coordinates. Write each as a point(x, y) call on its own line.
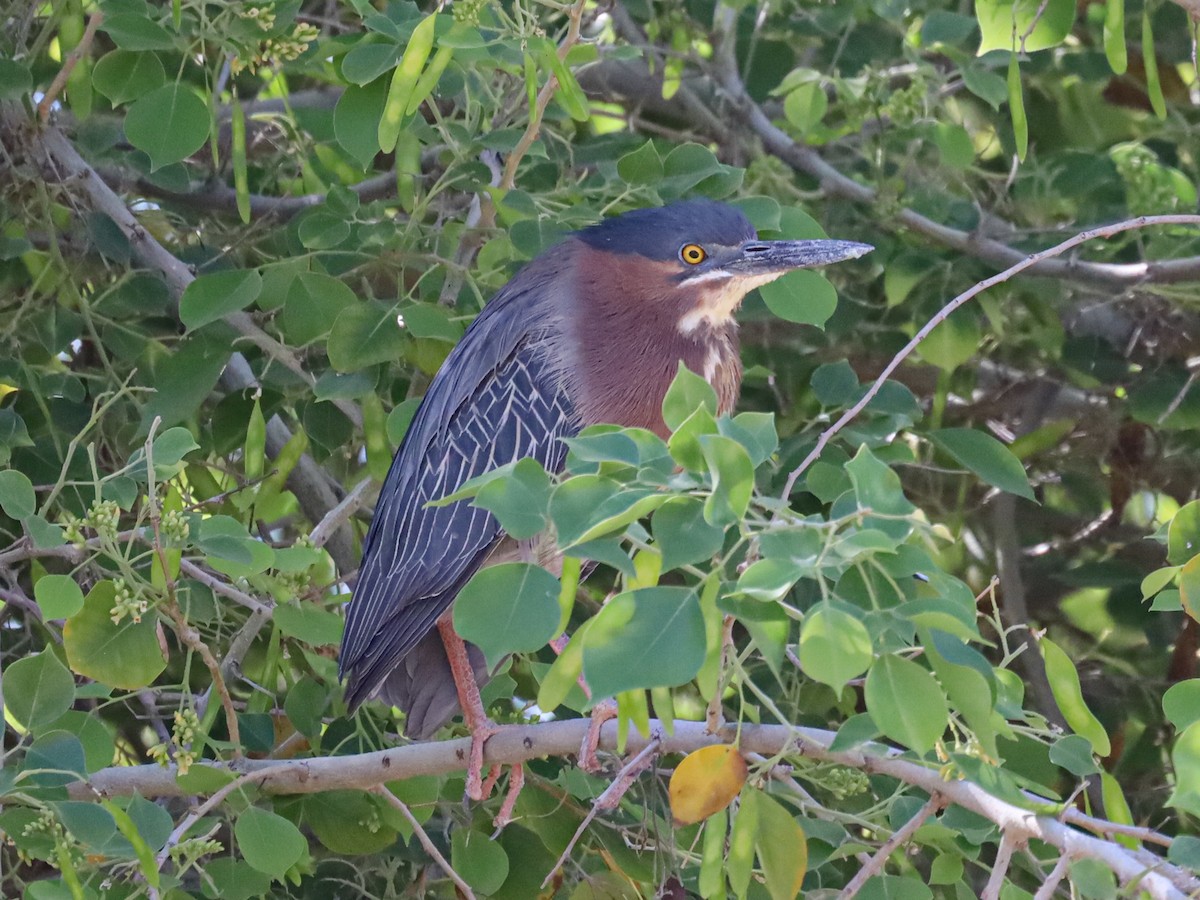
point(706, 782)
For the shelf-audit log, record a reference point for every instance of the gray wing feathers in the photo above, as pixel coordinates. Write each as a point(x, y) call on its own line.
point(498, 398)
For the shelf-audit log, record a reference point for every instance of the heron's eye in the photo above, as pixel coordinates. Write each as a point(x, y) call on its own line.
point(693, 254)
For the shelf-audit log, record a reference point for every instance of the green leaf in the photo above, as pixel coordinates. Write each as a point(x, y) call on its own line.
point(126, 655)
point(906, 702)
point(877, 488)
point(687, 393)
point(400, 418)
point(1074, 753)
point(834, 646)
point(590, 506)
point(641, 166)
point(212, 297)
point(1181, 703)
point(682, 535)
point(519, 501)
point(123, 75)
point(183, 380)
point(480, 861)
point(508, 608)
point(269, 843)
point(314, 300)
point(170, 123)
point(321, 230)
point(767, 580)
point(651, 637)
point(803, 296)
point(17, 498)
point(58, 596)
point(136, 31)
point(1016, 107)
point(805, 107)
point(309, 623)
point(953, 342)
point(366, 63)
point(834, 384)
point(1114, 36)
point(363, 335)
point(732, 476)
point(1150, 58)
point(347, 822)
point(1064, 684)
point(780, 844)
point(15, 80)
point(356, 117)
point(168, 450)
point(986, 457)
point(38, 689)
point(1002, 24)
point(966, 675)
point(985, 84)
point(1183, 534)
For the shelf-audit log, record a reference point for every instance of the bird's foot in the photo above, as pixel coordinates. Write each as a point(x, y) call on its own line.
point(516, 781)
point(601, 713)
point(477, 787)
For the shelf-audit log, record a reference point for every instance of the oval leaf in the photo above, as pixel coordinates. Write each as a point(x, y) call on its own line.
point(705, 782)
point(211, 297)
point(986, 457)
point(125, 656)
point(834, 646)
point(170, 123)
point(508, 608)
point(653, 637)
point(906, 702)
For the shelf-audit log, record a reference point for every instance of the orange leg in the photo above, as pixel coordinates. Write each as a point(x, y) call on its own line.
point(474, 715)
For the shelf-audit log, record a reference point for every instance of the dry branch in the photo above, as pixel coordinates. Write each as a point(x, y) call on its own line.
point(519, 743)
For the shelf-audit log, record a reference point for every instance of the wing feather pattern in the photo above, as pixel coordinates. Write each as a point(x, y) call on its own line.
point(499, 397)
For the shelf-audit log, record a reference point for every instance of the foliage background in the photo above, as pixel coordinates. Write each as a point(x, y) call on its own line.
point(204, 257)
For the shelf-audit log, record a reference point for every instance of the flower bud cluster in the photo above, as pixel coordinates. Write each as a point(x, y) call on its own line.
point(128, 602)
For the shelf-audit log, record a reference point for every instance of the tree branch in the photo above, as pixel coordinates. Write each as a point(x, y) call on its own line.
point(901, 836)
point(835, 185)
point(217, 197)
point(519, 743)
point(1029, 262)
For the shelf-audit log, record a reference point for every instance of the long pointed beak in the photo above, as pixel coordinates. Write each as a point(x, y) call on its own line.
point(767, 257)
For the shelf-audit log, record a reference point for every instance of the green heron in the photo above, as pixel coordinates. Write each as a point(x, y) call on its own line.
point(591, 331)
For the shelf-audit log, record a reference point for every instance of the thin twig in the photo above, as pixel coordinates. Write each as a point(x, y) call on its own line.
point(68, 66)
point(609, 799)
point(1050, 885)
point(991, 890)
point(216, 799)
point(188, 636)
point(1104, 231)
point(217, 586)
point(430, 847)
point(898, 839)
point(1037, 17)
point(341, 513)
point(713, 717)
point(837, 186)
point(509, 178)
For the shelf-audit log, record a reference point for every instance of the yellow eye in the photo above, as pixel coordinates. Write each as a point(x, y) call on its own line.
point(693, 254)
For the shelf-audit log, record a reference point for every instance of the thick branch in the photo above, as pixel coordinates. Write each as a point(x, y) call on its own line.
point(519, 743)
point(216, 197)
